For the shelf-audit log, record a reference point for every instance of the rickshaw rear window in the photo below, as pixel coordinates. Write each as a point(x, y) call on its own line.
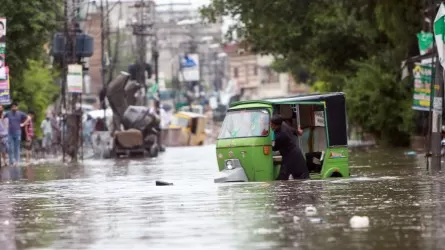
point(245, 123)
point(180, 121)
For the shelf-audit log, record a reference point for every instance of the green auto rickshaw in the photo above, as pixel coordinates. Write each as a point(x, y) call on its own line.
point(244, 146)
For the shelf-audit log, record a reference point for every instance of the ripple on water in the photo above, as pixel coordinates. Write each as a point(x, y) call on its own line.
point(105, 204)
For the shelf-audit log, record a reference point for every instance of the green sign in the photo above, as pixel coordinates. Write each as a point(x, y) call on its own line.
point(439, 33)
point(425, 40)
point(423, 75)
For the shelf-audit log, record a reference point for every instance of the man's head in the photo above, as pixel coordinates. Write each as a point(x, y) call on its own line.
point(14, 106)
point(276, 121)
point(1, 108)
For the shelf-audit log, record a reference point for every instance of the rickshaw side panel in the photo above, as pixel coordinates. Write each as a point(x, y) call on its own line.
point(336, 162)
point(251, 154)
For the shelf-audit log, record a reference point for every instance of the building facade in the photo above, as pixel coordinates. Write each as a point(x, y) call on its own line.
point(255, 77)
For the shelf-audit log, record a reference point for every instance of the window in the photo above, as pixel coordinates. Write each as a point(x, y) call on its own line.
point(255, 70)
point(180, 121)
point(235, 72)
point(245, 123)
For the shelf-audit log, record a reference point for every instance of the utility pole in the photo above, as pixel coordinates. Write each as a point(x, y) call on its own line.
point(73, 119)
point(140, 30)
point(437, 106)
point(102, 53)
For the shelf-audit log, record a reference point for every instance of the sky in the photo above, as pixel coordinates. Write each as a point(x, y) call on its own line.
point(194, 4)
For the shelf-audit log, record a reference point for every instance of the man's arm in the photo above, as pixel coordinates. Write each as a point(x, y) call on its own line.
point(277, 143)
point(26, 118)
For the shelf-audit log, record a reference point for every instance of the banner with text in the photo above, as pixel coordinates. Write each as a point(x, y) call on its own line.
point(5, 96)
point(75, 78)
point(423, 76)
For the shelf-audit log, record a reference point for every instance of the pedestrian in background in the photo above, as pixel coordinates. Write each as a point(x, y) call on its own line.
point(87, 130)
point(47, 134)
point(16, 120)
point(29, 132)
point(55, 132)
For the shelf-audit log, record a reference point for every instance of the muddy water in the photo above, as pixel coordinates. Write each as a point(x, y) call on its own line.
point(108, 204)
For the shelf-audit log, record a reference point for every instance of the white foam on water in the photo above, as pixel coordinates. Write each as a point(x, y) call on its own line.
point(359, 221)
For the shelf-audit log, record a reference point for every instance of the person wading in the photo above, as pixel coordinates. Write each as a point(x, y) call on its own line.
point(47, 134)
point(293, 161)
point(29, 132)
point(17, 119)
point(4, 145)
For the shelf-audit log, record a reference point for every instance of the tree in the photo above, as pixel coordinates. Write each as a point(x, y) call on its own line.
point(38, 89)
point(30, 25)
point(385, 113)
point(345, 45)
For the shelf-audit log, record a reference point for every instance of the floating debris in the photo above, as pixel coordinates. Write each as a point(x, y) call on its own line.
point(310, 211)
point(163, 183)
point(411, 153)
point(359, 222)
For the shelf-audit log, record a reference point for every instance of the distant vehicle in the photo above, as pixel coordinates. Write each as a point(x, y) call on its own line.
point(186, 129)
point(244, 145)
point(136, 130)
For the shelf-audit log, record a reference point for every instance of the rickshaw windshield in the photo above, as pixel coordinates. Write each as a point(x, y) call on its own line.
point(180, 121)
point(245, 123)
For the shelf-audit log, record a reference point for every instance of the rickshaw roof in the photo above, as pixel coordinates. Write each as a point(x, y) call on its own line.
point(307, 98)
point(298, 98)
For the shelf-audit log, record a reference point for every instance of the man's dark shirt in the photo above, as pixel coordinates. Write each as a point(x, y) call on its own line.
point(293, 161)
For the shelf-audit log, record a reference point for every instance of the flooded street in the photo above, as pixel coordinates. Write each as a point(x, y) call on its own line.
point(116, 205)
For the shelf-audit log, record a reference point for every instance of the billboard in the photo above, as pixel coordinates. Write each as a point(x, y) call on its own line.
point(423, 76)
point(5, 96)
point(2, 30)
point(75, 78)
point(189, 65)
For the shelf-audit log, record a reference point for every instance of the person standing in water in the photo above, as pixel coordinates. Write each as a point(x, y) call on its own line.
point(47, 134)
point(29, 133)
point(293, 161)
point(16, 120)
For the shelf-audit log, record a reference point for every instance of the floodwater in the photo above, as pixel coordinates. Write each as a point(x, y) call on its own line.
point(107, 204)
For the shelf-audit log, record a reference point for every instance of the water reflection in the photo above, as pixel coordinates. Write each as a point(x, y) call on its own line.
point(115, 205)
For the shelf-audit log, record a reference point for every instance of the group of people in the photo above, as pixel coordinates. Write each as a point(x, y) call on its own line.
point(16, 126)
point(13, 125)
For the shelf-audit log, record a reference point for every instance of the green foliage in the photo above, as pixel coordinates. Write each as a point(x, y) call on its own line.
point(351, 46)
point(320, 87)
point(30, 25)
point(386, 113)
point(38, 90)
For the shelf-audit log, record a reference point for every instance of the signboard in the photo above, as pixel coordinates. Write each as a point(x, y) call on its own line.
point(2, 30)
point(5, 96)
point(423, 74)
point(319, 119)
point(425, 40)
point(75, 78)
point(190, 68)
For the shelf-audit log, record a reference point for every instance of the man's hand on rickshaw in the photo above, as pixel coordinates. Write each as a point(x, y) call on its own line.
point(299, 130)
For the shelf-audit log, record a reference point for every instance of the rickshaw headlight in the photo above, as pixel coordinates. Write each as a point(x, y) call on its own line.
point(229, 165)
